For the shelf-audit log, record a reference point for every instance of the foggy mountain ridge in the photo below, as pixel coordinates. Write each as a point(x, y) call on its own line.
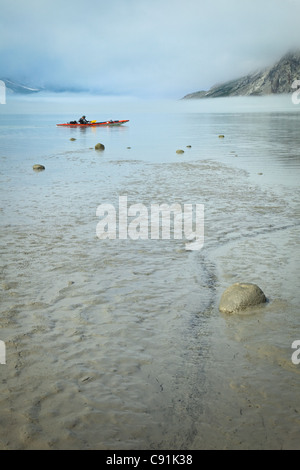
point(275, 79)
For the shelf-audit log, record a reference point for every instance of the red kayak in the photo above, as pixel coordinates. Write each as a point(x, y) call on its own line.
point(94, 123)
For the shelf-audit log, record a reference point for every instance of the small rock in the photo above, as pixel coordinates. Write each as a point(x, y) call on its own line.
point(72, 138)
point(38, 167)
point(179, 151)
point(239, 296)
point(85, 379)
point(260, 173)
point(99, 146)
point(221, 136)
point(188, 146)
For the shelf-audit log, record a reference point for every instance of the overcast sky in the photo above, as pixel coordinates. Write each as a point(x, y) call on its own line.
point(143, 47)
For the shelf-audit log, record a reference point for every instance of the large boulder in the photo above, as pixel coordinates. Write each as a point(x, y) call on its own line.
point(240, 296)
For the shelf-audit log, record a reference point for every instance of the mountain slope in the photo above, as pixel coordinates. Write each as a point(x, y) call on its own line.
point(272, 80)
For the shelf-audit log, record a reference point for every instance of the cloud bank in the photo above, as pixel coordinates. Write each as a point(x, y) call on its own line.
point(141, 47)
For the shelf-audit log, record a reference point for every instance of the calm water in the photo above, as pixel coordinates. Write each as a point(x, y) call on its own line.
point(119, 344)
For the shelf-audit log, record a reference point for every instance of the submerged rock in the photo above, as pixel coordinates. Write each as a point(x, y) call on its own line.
point(38, 167)
point(99, 146)
point(239, 296)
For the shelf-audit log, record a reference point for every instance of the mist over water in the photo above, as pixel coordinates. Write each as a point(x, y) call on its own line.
point(119, 344)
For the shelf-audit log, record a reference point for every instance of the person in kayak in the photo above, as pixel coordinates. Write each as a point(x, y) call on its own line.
point(83, 120)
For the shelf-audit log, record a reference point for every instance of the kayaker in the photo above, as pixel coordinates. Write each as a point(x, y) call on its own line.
point(83, 120)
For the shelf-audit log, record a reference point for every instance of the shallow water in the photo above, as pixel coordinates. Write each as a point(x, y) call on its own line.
point(119, 344)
